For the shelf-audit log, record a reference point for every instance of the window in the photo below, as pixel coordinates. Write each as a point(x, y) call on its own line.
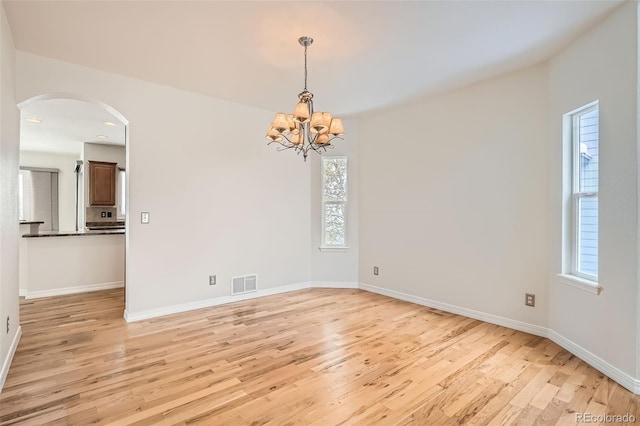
point(21, 196)
point(38, 196)
point(121, 198)
point(334, 202)
point(582, 220)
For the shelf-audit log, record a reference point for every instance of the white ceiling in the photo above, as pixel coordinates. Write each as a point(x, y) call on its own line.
point(367, 55)
point(65, 125)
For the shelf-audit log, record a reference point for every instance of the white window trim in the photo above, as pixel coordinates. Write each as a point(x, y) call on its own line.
point(334, 248)
point(571, 275)
point(580, 283)
point(326, 247)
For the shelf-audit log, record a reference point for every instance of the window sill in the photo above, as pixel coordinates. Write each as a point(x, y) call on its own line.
point(580, 283)
point(334, 249)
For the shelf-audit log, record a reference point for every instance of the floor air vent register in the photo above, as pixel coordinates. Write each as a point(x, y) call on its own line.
point(246, 284)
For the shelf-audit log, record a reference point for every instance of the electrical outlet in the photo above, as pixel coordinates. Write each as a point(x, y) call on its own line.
point(375, 270)
point(212, 280)
point(530, 299)
point(109, 214)
point(144, 217)
point(103, 214)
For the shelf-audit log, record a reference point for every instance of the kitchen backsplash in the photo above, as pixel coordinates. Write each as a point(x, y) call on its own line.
point(101, 214)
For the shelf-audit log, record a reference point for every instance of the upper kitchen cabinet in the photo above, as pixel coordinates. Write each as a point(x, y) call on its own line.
point(102, 183)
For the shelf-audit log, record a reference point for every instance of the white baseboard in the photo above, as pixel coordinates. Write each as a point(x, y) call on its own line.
point(7, 362)
point(619, 376)
point(482, 316)
point(599, 364)
point(23, 292)
point(206, 303)
point(614, 373)
point(335, 284)
point(69, 290)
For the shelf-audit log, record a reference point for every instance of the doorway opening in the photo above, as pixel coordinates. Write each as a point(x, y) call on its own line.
point(81, 145)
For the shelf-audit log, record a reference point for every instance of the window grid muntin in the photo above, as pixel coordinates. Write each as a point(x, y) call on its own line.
point(326, 202)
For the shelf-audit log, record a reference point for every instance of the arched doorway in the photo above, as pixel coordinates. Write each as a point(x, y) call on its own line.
point(65, 134)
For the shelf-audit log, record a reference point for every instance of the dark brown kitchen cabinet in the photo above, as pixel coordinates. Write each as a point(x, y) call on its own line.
point(102, 183)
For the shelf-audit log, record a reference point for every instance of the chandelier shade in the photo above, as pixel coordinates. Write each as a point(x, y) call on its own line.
point(336, 128)
point(280, 124)
point(318, 122)
point(305, 129)
point(301, 114)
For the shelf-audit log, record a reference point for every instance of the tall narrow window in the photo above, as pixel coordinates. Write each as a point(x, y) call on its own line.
point(334, 202)
point(122, 206)
point(21, 196)
point(584, 192)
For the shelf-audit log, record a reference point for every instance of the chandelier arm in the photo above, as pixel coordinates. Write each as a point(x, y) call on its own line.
point(278, 142)
point(287, 144)
point(316, 147)
point(328, 143)
point(282, 146)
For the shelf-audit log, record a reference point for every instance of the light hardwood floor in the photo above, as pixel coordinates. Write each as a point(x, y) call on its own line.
point(312, 357)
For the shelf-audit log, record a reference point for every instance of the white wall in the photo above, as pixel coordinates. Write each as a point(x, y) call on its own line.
point(336, 267)
point(102, 152)
point(637, 14)
point(221, 201)
point(602, 65)
point(9, 157)
point(66, 182)
point(454, 200)
point(58, 265)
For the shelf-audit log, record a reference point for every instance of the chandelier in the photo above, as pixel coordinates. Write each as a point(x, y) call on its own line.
point(305, 129)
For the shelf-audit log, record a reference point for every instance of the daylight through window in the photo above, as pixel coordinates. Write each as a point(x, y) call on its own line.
point(122, 206)
point(584, 192)
point(334, 201)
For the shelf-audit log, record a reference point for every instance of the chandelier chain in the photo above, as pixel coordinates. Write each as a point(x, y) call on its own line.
point(305, 68)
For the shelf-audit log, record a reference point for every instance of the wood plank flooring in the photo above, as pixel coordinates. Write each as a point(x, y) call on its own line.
point(312, 357)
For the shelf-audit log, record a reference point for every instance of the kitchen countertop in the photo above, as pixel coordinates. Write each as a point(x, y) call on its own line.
point(34, 225)
point(74, 233)
point(104, 223)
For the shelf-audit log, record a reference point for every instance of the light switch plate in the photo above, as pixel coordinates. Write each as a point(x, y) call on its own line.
point(144, 217)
